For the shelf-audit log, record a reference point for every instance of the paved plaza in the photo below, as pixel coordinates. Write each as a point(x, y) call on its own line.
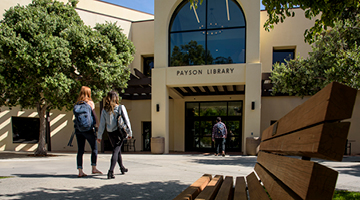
point(150, 176)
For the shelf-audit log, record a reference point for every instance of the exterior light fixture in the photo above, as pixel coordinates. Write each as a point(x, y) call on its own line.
point(253, 105)
point(157, 107)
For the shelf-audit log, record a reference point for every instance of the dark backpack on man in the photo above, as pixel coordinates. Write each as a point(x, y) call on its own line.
point(220, 130)
point(84, 119)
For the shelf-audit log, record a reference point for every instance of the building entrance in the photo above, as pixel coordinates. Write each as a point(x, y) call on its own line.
point(200, 119)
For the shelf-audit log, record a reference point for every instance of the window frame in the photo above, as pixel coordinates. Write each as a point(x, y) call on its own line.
point(144, 58)
point(34, 126)
point(181, 6)
point(288, 49)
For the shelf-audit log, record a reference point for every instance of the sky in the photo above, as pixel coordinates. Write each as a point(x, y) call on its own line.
point(141, 5)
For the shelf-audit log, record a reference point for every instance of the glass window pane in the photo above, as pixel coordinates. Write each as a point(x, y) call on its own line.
point(224, 13)
point(213, 109)
point(234, 134)
point(235, 108)
point(189, 19)
point(196, 142)
point(148, 65)
point(281, 55)
point(25, 129)
point(187, 48)
point(226, 46)
point(205, 142)
point(233, 128)
point(195, 129)
point(206, 128)
point(192, 109)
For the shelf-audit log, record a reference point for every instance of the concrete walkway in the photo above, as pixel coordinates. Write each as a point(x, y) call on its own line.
point(149, 177)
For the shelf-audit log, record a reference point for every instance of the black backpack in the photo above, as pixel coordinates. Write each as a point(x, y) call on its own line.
point(84, 118)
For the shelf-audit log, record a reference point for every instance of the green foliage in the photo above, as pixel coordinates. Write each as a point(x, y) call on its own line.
point(278, 10)
point(194, 3)
point(345, 195)
point(47, 54)
point(334, 57)
point(189, 54)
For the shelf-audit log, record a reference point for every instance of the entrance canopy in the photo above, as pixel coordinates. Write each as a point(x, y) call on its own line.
point(211, 90)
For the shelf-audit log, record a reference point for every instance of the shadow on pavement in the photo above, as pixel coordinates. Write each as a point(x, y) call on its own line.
point(151, 190)
point(236, 161)
point(353, 170)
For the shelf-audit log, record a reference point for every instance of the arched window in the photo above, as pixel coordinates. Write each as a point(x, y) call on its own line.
point(214, 33)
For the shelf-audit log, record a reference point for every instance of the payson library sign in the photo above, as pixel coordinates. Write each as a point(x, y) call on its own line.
point(200, 64)
point(208, 71)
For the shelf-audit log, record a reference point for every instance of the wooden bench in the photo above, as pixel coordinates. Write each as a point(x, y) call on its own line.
point(283, 170)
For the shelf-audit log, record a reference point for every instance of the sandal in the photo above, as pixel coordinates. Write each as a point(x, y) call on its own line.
point(97, 172)
point(82, 175)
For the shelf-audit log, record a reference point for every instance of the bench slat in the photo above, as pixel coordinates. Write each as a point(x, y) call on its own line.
point(211, 189)
point(308, 179)
point(325, 141)
point(194, 189)
point(226, 189)
point(333, 103)
point(240, 189)
point(256, 190)
point(276, 189)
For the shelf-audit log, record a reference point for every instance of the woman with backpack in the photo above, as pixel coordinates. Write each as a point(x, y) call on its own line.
point(109, 120)
point(85, 129)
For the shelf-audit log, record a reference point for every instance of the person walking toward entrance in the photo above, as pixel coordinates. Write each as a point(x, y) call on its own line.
point(85, 124)
point(219, 135)
point(108, 120)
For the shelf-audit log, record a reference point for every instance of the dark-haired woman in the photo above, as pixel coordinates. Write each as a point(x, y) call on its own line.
point(108, 120)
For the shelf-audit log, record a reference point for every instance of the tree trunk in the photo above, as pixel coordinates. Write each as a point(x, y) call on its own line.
point(41, 150)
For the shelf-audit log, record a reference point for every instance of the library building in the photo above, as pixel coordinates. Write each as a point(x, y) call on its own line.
point(190, 67)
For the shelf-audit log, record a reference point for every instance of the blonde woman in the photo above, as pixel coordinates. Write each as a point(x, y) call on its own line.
point(85, 96)
point(108, 119)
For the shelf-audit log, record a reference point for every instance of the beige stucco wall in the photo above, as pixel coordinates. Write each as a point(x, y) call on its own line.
point(164, 10)
point(6, 4)
point(92, 19)
point(61, 128)
point(273, 108)
point(139, 111)
point(113, 10)
point(142, 35)
point(95, 6)
point(94, 11)
point(165, 77)
point(151, 38)
point(91, 12)
point(288, 35)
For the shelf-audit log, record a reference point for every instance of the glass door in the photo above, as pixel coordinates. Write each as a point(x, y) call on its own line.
point(146, 136)
point(200, 119)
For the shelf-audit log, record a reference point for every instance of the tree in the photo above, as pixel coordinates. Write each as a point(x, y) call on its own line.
point(279, 10)
point(334, 57)
point(334, 38)
point(329, 11)
point(190, 54)
point(47, 54)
